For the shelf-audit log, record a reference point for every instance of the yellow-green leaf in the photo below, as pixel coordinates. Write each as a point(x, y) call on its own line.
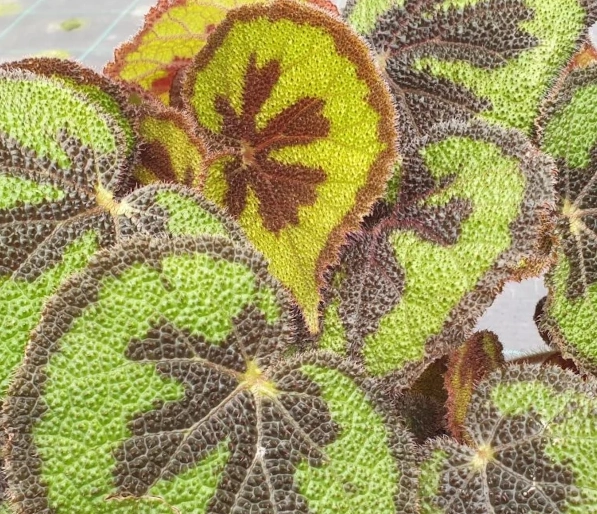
point(303, 135)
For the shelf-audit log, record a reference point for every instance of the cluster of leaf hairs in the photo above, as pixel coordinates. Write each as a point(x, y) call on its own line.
point(240, 270)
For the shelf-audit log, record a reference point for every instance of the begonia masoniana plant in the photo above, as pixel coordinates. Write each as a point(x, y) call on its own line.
point(241, 270)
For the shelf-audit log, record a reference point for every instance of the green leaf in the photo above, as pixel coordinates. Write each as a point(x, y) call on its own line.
point(64, 198)
point(302, 135)
point(36, 108)
point(171, 150)
point(464, 58)
point(176, 210)
point(470, 217)
point(108, 96)
point(174, 31)
point(533, 432)
point(567, 130)
point(165, 381)
point(63, 171)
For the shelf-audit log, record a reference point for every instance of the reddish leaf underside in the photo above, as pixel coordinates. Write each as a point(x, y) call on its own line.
point(481, 354)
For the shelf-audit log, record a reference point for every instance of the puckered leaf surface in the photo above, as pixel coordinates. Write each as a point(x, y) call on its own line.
point(64, 196)
point(469, 217)
point(52, 238)
point(63, 170)
point(171, 149)
point(303, 135)
point(568, 131)
point(460, 58)
point(175, 210)
point(108, 96)
point(165, 387)
point(173, 33)
point(533, 432)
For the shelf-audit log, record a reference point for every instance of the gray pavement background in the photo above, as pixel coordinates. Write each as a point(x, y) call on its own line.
point(89, 32)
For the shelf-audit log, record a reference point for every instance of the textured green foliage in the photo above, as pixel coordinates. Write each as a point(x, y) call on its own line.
point(568, 131)
point(456, 59)
point(175, 210)
point(302, 135)
point(171, 151)
point(63, 168)
point(165, 387)
point(36, 108)
point(54, 216)
point(419, 275)
point(533, 432)
point(480, 354)
point(153, 210)
point(105, 94)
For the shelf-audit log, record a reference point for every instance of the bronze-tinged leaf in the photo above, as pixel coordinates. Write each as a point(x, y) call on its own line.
point(472, 209)
point(480, 354)
point(174, 31)
point(281, 189)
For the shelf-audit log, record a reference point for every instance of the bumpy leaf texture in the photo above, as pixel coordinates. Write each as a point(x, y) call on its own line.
point(166, 389)
point(105, 94)
point(63, 169)
point(463, 58)
point(480, 354)
point(533, 432)
point(303, 135)
point(174, 31)
point(568, 131)
point(171, 150)
point(470, 216)
point(65, 198)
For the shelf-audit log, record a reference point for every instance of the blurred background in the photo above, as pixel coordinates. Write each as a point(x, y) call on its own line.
point(89, 31)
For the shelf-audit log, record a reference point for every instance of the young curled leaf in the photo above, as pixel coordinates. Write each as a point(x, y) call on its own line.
point(303, 135)
point(568, 131)
point(471, 211)
point(460, 59)
point(174, 31)
point(171, 150)
point(165, 380)
point(532, 433)
point(480, 354)
point(423, 404)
